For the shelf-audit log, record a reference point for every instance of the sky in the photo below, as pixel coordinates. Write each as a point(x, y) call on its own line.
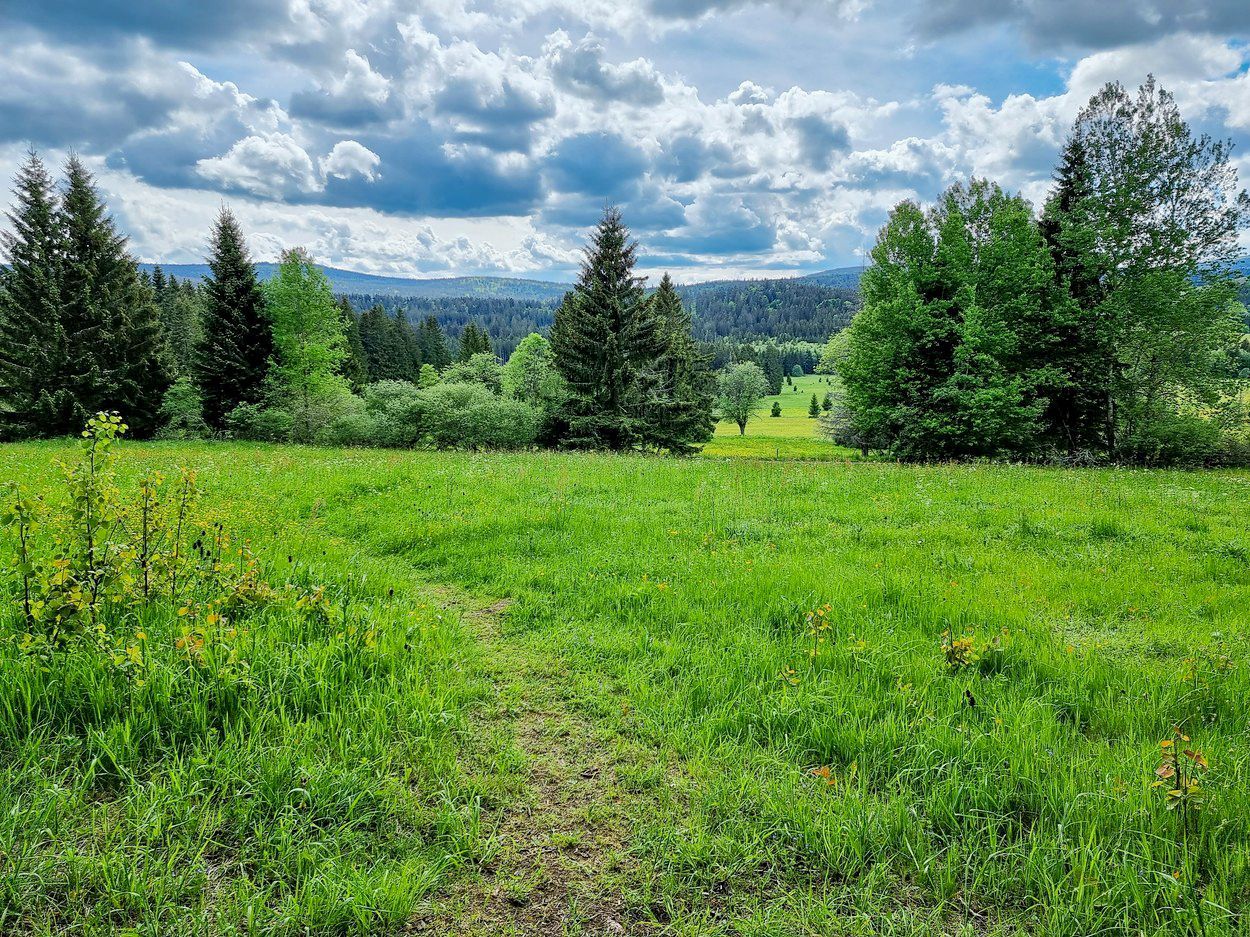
point(453, 137)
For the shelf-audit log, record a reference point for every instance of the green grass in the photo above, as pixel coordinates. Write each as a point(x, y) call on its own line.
point(789, 436)
point(635, 734)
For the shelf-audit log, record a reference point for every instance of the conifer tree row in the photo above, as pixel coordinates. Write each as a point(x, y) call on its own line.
point(80, 326)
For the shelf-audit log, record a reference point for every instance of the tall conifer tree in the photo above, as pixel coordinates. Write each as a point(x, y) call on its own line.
point(605, 337)
point(433, 344)
point(686, 391)
point(237, 339)
point(112, 328)
point(33, 366)
point(355, 366)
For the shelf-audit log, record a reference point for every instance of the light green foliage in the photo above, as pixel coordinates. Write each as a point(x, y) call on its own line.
point(742, 388)
point(182, 411)
point(429, 376)
point(667, 601)
point(458, 415)
point(308, 338)
point(395, 410)
point(530, 375)
point(482, 368)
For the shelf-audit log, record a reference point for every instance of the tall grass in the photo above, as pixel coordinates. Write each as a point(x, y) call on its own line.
point(868, 787)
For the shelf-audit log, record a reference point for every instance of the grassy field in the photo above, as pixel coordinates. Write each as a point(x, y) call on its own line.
point(789, 436)
point(562, 694)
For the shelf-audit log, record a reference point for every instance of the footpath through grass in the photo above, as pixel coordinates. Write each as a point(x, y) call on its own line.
point(607, 706)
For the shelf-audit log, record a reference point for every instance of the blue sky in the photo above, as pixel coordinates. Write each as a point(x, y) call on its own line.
point(483, 136)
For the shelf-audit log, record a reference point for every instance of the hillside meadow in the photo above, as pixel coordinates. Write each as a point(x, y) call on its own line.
point(793, 435)
point(574, 694)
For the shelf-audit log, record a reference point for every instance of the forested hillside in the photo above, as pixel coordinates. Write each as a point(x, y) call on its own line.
point(746, 310)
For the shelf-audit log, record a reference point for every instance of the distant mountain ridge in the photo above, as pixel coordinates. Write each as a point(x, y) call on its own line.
point(351, 282)
point(486, 287)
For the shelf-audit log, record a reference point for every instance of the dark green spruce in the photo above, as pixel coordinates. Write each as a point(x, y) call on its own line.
point(236, 342)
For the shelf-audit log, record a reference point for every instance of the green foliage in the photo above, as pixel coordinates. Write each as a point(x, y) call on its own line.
point(79, 328)
point(530, 375)
point(308, 338)
point(395, 410)
point(306, 729)
point(776, 410)
point(948, 358)
point(258, 423)
point(742, 386)
point(679, 415)
point(460, 415)
point(770, 363)
point(236, 341)
point(482, 368)
point(1143, 225)
point(182, 412)
point(813, 408)
point(474, 341)
point(355, 366)
point(33, 363)
point(429, 376)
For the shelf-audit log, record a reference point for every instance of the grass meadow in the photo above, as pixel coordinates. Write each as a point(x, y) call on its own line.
point(789, 436)
point(576, 694)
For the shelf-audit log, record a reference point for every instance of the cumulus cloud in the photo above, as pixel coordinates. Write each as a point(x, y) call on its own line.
point(349, 158)
point(273, 166)
point(487, 134)
point(357, 97)
point(582, 69)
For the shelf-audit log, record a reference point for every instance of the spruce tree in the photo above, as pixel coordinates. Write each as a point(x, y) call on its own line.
point(407, 347)
point(474, 341)
point(770, 362)
point(236, 342)
point(355, 367)
point(605, 337)
point(813, 408)
point(33, 364)
point(180, 307)
point(685, 394)
point(112, 328)
point(377, 338)
point(433, 344)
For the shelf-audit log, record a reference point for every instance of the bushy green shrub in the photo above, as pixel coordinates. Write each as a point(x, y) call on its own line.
point(354, 426)
point(258, 423)
point(469, 416)
point(482, 368)
point(394, 409)
point(1180, 439)
point(182, 412)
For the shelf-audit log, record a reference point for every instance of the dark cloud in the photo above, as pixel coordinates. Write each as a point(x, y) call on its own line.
point(498, 114)
point(686, 157)
point(1089, 24)
point(820, 139)
point(51, 98)
point(415, 176)
point(602, 165)
point(172, 23)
